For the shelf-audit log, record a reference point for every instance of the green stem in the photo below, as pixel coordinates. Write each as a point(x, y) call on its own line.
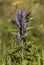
point(22, 54)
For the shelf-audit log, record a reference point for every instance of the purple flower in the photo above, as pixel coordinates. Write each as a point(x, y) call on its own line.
point(19, 37)
point(25, 24)
point(20, 15)
point(24, 28)
point(17, 22)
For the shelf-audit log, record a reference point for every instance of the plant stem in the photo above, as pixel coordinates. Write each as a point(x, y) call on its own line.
point(22, 54)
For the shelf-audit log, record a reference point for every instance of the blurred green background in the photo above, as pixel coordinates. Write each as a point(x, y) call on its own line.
point(8, 41)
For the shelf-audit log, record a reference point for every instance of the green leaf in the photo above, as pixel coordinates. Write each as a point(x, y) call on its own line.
point(29, 28)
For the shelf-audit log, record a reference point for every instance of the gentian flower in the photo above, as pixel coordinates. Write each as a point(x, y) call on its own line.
point(19, 37)
point(20, 15)
point(25, 25)
point(17, 22)
point(24, 32)
point(24, 29)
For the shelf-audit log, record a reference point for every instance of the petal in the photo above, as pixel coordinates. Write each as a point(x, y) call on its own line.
point(20, 15)
point(25, 24)
point(17, 22)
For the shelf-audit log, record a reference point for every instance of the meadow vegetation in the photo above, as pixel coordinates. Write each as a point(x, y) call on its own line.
point(11, 52)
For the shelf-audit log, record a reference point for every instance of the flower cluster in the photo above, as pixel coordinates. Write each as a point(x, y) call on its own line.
point(22, 27)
